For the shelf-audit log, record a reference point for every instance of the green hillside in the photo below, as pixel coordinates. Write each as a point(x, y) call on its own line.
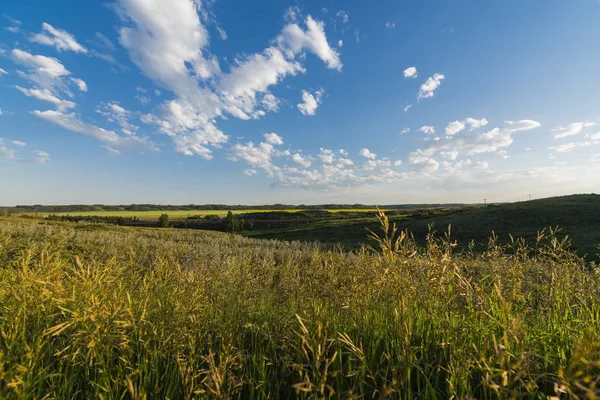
point(577, 215)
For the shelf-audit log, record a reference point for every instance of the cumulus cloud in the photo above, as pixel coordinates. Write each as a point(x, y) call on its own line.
point(302, 161)
point(273, 138)
point(404, 131)
point(270, 102)
point(250, 172)
point(458, 126)
point(294, 41)
point(18, 143)
point(571, 129)
point(173, 52)
point(310, 102)
point(112, 141)
point(411, 73)
point(429, 87)
point(368, 154)
point(61, 40)
point(427, 129)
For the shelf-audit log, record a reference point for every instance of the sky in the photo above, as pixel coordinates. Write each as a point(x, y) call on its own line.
point(298, 102)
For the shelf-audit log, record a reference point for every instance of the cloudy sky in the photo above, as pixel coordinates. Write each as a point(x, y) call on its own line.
point(276, 101)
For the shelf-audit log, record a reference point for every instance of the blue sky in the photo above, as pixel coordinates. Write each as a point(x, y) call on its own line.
point(222, 101)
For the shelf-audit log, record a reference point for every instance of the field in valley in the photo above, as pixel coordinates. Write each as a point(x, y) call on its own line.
point(100, 311)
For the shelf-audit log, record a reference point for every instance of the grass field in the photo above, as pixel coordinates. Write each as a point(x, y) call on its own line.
point(578, 216)
point(183, 214)
point(99, 311)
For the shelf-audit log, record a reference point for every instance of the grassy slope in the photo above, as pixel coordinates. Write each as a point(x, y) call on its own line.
point(181, 314)
point(578, 216)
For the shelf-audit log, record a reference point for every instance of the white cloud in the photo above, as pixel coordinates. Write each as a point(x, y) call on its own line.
point(407, 108)
point(302, 161)
point(113, 142)
point(45, 71)
point(257, 156)
point(222, 33)
point(7, 154)
point(476, 123)
point(429, 87)
point(273, 138)
point(80, 84)
point(404, 131)
point(390, 24)
point(3, 72)
point(18, 143)
point(523, 125)
point(368, 154)
point(250, 172)
point(270, 102)
point(254, 75)
point(570, 130)
point(340, 43)
point(116, 114)
point(42, 156)
point(294, 41)
point(411, 72)
point(46, 95)
point(292, 14)
point(594, 136)
point(397, 163)
point(173, 51)
point(421, 162)
point(105, 42)
point(455, 127)
point(482, 165)
point(427, 129)
point(61, 40)
point(343, 15)
point(458, 126)
point(1, 112)
point(310, 102)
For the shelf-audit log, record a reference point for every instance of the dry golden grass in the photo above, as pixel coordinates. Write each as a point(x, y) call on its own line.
point(184, 314)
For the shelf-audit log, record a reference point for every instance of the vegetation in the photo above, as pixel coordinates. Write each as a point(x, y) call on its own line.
point(114, 312)
point(163, 220)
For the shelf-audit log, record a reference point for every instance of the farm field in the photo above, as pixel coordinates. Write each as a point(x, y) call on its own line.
point(183, 214)
point(100, 311)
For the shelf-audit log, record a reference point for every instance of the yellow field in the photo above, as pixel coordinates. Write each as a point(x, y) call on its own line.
point(183, 214)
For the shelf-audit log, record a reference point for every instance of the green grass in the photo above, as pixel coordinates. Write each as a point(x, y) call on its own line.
point(182, 214)
point(578, 216)
point(125, 313)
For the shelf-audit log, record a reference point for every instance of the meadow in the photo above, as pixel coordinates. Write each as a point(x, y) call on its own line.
point(153, 215)
point(96, 311)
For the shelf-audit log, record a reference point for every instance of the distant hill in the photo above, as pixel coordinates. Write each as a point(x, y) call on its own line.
point(577, 215)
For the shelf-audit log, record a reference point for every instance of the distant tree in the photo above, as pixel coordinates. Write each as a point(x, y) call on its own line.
point(163, 220)
point(232, 224)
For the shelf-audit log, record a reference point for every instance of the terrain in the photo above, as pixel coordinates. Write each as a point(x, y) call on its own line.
point(102, 311)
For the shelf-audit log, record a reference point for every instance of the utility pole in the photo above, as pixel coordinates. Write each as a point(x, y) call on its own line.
point(485, 202)
point(529, 196)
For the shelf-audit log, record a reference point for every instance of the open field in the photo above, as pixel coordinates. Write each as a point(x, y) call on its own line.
point(182, 214)
point(578, 216)
point(99, 311)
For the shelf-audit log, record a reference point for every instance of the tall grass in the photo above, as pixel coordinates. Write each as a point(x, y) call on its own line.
point(180, 314)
